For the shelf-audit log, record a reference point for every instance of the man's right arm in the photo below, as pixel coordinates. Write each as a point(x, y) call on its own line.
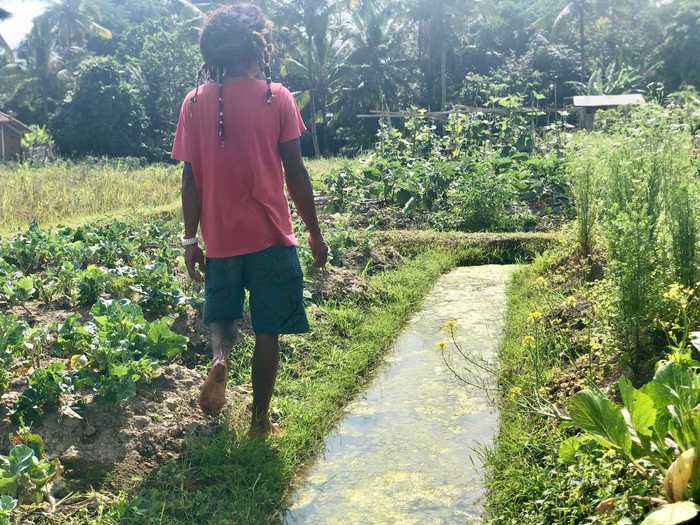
point(191, 211)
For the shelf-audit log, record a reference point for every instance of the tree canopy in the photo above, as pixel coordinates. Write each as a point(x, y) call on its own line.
point(343, 58)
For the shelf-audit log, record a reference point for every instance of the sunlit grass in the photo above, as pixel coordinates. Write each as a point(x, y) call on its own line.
point(65, 191)
point(73, 192)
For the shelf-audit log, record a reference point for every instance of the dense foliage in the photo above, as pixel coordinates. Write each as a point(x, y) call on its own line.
point(342, 60)
point(476, 172)
point(600, 371)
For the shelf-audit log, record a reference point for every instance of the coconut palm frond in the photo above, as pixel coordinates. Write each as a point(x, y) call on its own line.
point(5, 48)
point(193, 8)
point(562, 15)
point(4, 14)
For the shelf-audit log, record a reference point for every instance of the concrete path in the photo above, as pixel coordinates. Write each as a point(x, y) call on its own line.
point(408, 451)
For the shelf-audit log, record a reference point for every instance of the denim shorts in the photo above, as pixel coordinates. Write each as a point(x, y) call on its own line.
point(275, 283)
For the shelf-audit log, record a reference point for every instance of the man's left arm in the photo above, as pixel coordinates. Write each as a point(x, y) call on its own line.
point(299, 185)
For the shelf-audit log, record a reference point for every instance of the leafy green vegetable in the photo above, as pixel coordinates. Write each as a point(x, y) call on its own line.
point(7, 505)
point(601, 418)
point(45, 388)
point(673, 514)
point(23, 474)
point(640, 407)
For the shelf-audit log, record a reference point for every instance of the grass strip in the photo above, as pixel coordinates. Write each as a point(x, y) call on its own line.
point(527, 483)
point(224, 477)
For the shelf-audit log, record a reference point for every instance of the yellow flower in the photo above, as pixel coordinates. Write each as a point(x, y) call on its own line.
point(678, 293)
point(540, 282)
point(442, 345)
point(535, 317)
point(528, 341)
point(450, 325)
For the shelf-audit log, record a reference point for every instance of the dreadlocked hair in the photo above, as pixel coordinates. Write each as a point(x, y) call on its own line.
point(233, 38)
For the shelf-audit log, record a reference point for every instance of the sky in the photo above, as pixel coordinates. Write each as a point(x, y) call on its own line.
point(15, 28)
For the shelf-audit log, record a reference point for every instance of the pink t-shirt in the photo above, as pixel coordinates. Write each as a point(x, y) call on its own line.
point(244, 207)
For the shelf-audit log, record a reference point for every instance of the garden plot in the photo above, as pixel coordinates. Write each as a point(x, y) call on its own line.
point(103, 356)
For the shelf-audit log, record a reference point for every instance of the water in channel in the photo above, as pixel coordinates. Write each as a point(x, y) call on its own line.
point(408, 450)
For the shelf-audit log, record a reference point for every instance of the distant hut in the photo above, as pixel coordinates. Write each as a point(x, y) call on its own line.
point(11, 132)
point(588, 105)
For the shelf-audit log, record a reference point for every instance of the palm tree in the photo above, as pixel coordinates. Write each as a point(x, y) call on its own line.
point(38, 80)
point(4, 46)
point(73, 21)
point(437, 28)
point(578, 8)
point(377, 64)
point(319, 58)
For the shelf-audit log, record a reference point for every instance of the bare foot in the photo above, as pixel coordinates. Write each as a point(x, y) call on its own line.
point(264, 428)
point(213, 396)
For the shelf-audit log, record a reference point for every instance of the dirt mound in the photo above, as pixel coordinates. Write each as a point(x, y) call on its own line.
point(372, 260)
point(137, 436)
point(334, 283)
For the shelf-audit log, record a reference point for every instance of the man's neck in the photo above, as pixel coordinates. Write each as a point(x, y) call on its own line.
point(235, 75)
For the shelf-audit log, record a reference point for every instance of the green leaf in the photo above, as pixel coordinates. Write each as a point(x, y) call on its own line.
point(672, 514)
point(21, 459)
point(162, 341)
point(7, 503)
point(8, 485)
point(640, 407)
point(119, 370)
point(568, 449)
point(601, 418)
point(25, 284)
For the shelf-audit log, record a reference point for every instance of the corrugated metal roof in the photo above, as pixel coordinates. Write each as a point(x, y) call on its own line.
point(601, 101)
point(9, 119)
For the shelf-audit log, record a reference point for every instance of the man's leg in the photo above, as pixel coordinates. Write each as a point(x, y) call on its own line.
point(213, 396)
point(265, 363)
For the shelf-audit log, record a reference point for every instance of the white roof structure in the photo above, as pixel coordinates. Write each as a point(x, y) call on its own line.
point(606, 101)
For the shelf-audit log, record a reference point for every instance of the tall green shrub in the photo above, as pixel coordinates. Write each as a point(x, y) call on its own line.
point(582, 169)
point(681, 204)
point(637, 182)
point(104, 115)
point(632, 204)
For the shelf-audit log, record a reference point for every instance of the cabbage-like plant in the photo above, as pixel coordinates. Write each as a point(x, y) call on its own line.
point(657, 424)
point(7, 505)
point(23, 475)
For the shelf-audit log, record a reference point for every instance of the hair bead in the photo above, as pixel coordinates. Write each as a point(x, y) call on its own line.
point(233, 37)
point(221, 114)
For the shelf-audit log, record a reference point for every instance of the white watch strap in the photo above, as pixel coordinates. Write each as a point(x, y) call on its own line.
point(190, 241)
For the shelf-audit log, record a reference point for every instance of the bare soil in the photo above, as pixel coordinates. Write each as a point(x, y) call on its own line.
point(136, 436)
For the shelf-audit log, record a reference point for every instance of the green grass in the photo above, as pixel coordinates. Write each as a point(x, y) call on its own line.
point(322, 167)
point(65, 191)
point(226, 478)
point(77, 192)
point(527, 484)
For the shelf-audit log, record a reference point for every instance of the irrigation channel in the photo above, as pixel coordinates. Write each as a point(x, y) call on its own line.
point(408, 451)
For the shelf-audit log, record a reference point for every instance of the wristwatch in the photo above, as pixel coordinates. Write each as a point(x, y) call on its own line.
point(189, 242)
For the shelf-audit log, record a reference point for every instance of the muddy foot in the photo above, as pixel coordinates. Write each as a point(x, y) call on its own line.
point(213, 396)
point(264, 429)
